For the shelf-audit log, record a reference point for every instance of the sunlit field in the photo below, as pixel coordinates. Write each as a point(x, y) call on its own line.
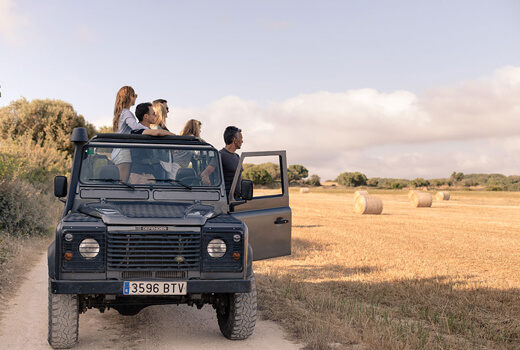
point(411, 278)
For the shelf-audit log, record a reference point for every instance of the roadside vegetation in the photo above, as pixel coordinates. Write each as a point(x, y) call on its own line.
point(34, 148)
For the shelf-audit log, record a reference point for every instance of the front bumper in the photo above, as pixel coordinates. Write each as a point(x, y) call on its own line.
point(116, 287)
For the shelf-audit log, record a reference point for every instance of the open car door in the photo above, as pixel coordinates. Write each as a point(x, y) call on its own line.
point(268, 215)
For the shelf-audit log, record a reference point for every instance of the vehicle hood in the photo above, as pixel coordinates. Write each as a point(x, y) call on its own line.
point(135, 213)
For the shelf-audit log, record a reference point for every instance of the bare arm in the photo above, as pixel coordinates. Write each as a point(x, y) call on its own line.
point(206, 173)
point(157, 132)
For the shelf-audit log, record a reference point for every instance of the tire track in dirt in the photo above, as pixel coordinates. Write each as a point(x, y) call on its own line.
point(24, 325)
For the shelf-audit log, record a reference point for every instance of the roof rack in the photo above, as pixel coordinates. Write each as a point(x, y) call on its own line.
point(140, 138)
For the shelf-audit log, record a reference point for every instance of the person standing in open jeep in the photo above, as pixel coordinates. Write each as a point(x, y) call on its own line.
point(230, 160)
point(146, 116)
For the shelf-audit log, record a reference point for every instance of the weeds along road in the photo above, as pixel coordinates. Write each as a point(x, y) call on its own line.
point(24, 325)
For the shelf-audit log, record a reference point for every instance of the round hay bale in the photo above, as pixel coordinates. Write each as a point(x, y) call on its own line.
point(368, 205)
point(442, 196)
point(411, 192)
point(304, 190)
point(359, 193)
point(421, 200)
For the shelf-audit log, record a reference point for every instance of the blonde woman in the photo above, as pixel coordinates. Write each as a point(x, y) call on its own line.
point(161, 113)
point(182, 159)
point(124, 122)
point(192, 128)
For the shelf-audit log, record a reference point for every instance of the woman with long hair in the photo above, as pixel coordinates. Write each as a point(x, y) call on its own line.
point(124, 122)
point(181, 159)
point(192, 128)
point(161, 113)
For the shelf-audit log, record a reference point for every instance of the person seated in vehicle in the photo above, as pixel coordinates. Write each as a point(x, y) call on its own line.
point(143, 169)
point(230, 160)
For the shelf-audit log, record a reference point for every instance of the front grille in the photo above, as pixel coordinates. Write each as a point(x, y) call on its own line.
point(173, 275)
point(153, 251)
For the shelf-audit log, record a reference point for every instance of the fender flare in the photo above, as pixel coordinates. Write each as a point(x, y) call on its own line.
point(51, 260)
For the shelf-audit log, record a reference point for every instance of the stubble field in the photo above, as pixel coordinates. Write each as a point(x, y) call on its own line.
point(445, 277)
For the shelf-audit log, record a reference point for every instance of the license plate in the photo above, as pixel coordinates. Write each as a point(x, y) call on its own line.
point(154, 288)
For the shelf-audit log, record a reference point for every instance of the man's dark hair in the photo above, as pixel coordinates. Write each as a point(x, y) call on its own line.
point(141, 110)
point(230, 133)
point(160, 100)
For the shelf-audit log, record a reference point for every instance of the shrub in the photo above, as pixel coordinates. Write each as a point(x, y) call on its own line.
point(25, 209)
point(397, 185)
point(314, 180)
point(419, 182)
point(297, 172)
point(372, 182)
point(46, 122)
point(258, 175)
point(28, 161)
point(352, 179)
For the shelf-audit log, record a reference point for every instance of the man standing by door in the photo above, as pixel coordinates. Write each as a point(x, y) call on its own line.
point(230, 160)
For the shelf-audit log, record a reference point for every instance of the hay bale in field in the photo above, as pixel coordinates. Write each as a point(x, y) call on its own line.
point(368, 205)
point(304, 190)
point(411, 192)
point(359, 193)
point(442, 196)
point(421, 200)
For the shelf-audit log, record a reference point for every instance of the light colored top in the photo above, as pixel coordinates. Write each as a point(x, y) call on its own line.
point(128, 122)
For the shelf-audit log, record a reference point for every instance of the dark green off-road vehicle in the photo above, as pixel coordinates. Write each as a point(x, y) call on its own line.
point(162, 236)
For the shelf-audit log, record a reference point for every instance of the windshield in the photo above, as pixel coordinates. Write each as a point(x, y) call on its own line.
point(157, 166)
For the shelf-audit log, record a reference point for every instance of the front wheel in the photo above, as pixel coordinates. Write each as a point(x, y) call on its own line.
point(237, 318)
point(63, 320)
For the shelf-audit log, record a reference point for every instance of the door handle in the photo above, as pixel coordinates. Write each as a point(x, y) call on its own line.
point(280, 221)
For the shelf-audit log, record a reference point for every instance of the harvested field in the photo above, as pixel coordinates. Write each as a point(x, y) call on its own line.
point(443, 278)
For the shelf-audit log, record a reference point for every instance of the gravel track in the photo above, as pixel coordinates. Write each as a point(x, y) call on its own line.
point(24, 325)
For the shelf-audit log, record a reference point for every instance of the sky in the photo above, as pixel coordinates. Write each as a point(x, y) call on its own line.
point(396, 89)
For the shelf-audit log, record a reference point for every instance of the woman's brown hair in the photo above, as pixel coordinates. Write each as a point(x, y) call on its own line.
point(192, 127)
point(123, 100)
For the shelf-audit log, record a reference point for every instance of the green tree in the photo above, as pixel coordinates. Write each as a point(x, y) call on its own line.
point(258, 175)
point(456, 177)
point(352, 179)
point(419, 182)
point(47, 122)
point(314, 180)
point(297, 172)
point(372, 182)
point(105, 130)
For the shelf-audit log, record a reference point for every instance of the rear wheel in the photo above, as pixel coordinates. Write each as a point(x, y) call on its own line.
point(238, 318)
point(63, 320)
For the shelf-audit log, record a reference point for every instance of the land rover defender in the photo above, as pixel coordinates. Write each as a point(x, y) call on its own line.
point(162, 236)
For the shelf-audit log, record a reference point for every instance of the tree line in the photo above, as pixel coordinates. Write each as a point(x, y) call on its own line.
point(459, 180)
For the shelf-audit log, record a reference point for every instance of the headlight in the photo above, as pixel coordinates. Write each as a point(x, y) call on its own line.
point(89, 248)
point(216, 248)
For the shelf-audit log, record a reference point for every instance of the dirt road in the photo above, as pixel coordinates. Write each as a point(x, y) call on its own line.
point(24, 325)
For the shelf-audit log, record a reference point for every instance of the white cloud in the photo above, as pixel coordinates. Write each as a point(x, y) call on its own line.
point(334, 132)
point(11, 24)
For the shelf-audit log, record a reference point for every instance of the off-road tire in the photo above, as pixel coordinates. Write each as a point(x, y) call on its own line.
point(63, 320)
point(239, 319)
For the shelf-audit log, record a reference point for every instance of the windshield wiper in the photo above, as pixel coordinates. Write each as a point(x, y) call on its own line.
point(114, 180)
point(171, 181)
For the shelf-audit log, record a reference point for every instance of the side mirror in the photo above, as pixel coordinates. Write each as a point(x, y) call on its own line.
point(60, 186)
point(247, 190)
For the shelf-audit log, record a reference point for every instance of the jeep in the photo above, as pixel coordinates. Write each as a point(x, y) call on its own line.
point(162, 236)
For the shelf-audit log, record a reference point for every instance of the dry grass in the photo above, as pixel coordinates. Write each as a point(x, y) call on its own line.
point(445, 277)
